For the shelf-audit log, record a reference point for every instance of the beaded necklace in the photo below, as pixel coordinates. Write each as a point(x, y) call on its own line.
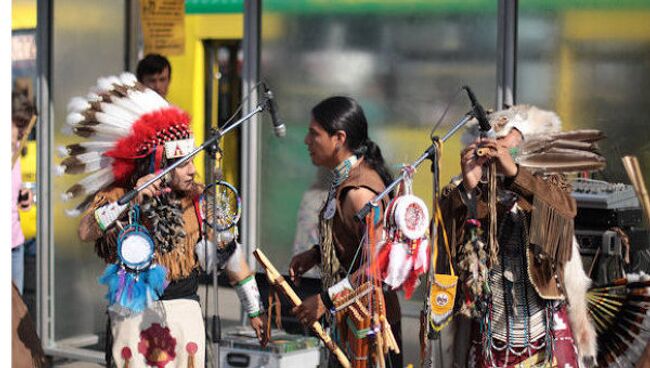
point(340, 173)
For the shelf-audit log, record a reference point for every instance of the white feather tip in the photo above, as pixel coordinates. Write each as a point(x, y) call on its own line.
point(105, 84)
point(78, 104)
point(128, 79)
point(73, 212)
point(93, 97)
point(60, 170)
point(74, 118)
point(62, 151)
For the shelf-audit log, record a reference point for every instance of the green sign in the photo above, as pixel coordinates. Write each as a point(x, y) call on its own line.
point(403, 6)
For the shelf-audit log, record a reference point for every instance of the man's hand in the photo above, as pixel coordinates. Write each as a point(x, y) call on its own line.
point(25, 199)
point(155, 189)
point(310, 311)
point(501, 154)
point(261, 329)
point(301, 263)
point(471, 166)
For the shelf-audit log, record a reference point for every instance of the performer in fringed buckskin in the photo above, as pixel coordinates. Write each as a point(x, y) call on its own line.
point(521, 297)
point(149, 244)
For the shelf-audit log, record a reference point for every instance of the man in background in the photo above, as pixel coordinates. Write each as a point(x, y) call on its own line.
point(154, 71)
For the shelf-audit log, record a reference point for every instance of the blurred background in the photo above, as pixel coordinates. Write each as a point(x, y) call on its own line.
point(404, 61)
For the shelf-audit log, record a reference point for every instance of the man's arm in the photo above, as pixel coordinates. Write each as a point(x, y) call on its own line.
point(354, 201)
point(89, 229)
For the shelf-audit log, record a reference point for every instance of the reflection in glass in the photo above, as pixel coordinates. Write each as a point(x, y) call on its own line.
point(402, 63)
point(81, 29)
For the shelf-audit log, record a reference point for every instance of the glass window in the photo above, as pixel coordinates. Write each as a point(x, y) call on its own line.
point(590, 64)
point(402, 62)
point(84, 47)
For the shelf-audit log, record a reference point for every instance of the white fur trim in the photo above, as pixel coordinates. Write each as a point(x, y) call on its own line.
point(527, 119)
point(576, 283)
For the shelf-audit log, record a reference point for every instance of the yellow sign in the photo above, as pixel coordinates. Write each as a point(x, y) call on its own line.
point(163, 26)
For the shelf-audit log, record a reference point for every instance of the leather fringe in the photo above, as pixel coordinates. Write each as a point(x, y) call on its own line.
point(552, 232)
point(330, 263)
point(181, 261)
point(493, 241)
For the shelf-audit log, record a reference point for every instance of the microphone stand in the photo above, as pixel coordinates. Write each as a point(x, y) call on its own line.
point(210, 145)
point(429, 153)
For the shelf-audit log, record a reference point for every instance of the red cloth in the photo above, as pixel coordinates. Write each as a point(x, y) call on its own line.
point(565, 353)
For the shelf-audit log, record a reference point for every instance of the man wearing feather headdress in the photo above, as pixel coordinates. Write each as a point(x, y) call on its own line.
point(155, 317)
point(522, 289)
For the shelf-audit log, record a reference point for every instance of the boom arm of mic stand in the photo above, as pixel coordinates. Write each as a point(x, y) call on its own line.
point(215, 137)
point(429, 153)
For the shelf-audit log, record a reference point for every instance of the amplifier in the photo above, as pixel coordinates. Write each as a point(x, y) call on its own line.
point(601, 194)
point(239, 349)
point(590, 241)
point(597, 218)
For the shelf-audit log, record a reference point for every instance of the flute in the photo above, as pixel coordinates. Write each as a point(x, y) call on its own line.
point(277, 280)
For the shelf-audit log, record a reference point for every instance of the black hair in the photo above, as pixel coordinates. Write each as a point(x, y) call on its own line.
point(22, 110)
point(152, 64)
point(344, 113)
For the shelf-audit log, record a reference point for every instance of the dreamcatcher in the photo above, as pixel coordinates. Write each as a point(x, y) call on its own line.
point(404, 255)
point(221, 199)
point(135, 281)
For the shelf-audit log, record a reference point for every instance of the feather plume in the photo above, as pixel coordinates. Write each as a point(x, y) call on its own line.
point(85, 163)
point(581, 135)
point(128, 105)
point(90, 184)
point(560, 160)
point(128, 79)
point(99, 131)
point(124, 120)
point(75, 118)
point(114, 120)
point(105, 84)
point(78, 104)
point(93, 97)
point(83, 147)
point(127, 117)
point(542, 145)
point(81, 207)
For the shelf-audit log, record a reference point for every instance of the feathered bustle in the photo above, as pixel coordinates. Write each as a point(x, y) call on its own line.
point(621, 312)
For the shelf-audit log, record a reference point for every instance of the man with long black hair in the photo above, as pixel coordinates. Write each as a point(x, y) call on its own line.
point(338, 141)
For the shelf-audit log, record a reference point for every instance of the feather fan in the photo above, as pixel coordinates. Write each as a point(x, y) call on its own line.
point(563, 152)
point(621, 313)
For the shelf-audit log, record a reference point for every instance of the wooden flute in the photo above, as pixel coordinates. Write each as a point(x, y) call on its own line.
point(277, 280)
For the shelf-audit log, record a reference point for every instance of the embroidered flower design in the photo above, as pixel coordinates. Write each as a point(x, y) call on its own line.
point(157, 345)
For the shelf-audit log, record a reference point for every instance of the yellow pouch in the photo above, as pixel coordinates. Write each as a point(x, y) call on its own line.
point(443, 289)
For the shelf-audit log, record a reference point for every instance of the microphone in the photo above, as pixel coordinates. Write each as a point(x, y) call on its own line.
point(479, 112)
point(279, 128)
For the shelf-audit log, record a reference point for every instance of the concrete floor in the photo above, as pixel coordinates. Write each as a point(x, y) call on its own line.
point(229, 308)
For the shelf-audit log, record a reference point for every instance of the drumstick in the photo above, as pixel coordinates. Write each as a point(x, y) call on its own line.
point(633, 170)
point(23, 140)
point(281, 284)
